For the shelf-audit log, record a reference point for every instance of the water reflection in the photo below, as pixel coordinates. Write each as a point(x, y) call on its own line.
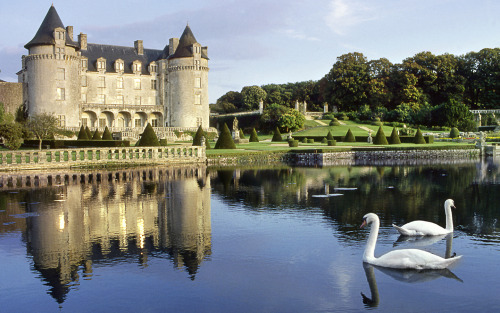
point(72, 228)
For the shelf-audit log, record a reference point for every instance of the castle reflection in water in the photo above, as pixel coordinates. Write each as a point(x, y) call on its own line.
point(71, 227)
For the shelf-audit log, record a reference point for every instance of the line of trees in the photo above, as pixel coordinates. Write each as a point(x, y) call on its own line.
point(425, 89)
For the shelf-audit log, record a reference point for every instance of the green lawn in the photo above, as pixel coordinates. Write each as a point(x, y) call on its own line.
point(342, 130)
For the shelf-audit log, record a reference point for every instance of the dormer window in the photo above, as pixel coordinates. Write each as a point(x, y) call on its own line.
point(119, 65)
point(60, 35)
point(101, 64)
point(153, 68)
point(136, 67)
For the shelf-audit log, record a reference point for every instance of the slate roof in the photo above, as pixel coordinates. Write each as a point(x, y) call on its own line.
point(45, 34)
point(185, 49)
point(113, 53)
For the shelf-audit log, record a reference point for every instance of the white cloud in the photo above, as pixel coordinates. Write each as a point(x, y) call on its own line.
point(344, 14)
point(292, 33)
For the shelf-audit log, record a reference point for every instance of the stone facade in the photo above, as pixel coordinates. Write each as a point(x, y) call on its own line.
point(123, 88)
point(11, 95)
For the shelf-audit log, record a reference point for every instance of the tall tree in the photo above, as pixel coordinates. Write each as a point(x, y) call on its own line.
point(252, 95)
point(43, 126)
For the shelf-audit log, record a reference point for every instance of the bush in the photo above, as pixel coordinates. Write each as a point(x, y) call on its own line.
point(277, 135)
point(329, 136)
point(82, 134)
point(304, 140)
point(310, 140)
point(332, 142)
point(148, 138)
point(324, 140)
point(163, 142)
point(334, 122)
point(394, 139)
point(225, 140)
point(106, 135)
point(380, 138)
point(349, 137)
point(293, 143)
point(454, 133)
point(419, 138)
point(96, 135)
point(253, 136)
point(377, 122)
point(198, 136)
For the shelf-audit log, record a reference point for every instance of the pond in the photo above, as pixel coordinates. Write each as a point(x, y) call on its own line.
point(275, 239)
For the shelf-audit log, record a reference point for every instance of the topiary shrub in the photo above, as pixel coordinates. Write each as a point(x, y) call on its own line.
point(334, 122)
point(454, 133)
point(332, 142)
point(225, 140)
point(293, 143)
point(419, 138)
point(394, 139)
point(329, 136)
point(242, 135)
point(96, 135)
point(198, 136)
point(253, 136)
point(277, 135)
point(148, 138)
point(304, 140)
point(106, 135)
point(324, 140)
point(310, 140)
point(344, 117)
point(163, 142)
point(380, 138)
point(82, 134)
point(207, 144)
point(89, 133)
point(377, 122)
point(349, 137)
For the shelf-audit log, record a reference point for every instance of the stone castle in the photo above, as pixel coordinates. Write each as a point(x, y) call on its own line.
point(123, 88)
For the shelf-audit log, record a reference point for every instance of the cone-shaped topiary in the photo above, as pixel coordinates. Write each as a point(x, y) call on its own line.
point(207, 144)
point(419, 138)
point(106, 135)
point(96, 135)
point(148, 138)
point(349, 137)
point(454, 133)
point(89, 133)
point(198, 136)
point(394, 139)
point(277, 135)
point(380, 138)
point(304, 140)
point(225, 140)
point(82, 134)
point(253, 136)
point(324, 140)
point(334, 122)
point(329, 136)
point(242, 135)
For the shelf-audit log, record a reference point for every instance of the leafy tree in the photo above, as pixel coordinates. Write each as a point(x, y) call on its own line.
point(252, 95)
point(43, 126)
point(349, 137)
point(148, 138)
point(106, 134)
point(271, 115)
point(454, 114)
point(291, 120)
point(225, 140)
point(12, 134)
point(232, 101)
point(253, 136)
point(380, 138)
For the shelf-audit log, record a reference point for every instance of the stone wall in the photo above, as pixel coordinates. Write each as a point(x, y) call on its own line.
point(11, 95)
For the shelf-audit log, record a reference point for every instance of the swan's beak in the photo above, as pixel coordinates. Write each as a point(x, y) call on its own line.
point(363, 224)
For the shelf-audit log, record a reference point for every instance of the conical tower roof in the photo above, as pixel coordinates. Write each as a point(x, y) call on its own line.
point(45, 34)
point(185, 47)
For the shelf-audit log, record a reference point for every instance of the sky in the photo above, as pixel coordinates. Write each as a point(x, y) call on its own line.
point(261, 42)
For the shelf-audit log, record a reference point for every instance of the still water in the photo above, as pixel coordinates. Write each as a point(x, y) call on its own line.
point(248, 240)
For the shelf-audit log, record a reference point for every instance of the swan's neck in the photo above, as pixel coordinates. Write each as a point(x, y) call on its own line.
point(372, 240)
point(449, 218)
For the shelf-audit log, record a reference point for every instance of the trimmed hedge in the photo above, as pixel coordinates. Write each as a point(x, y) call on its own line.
point(332, 142)
point(198, 136)
point(242, 135)
point(106, 135)
point(62, 144)
point(277, 135)
point(349, 137)
point(148, 138)
point(380, 138)
point(419, 138)
point(454, 133)
point(82, 134)
point(88, 132)
point(293, 143)
point(394, 139)
point(225, 140)
point(96, 135)
point(253, 136)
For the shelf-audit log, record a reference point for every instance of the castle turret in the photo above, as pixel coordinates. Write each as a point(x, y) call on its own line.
point(187, 93)
point(53, 54)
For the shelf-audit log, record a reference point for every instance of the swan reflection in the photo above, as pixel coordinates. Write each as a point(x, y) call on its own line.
point(421, 241)
point(410, 276)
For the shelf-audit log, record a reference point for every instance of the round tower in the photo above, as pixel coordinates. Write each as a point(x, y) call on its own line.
point(187, 92)
point(51, 72)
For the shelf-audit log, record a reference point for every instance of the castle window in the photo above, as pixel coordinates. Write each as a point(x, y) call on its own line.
point(101, 99)
point(197, 82)
point(101, 64)
point(153, 68)
point(102, 122)
point(197, 63)
point(119, 99)
point(136, 67)
point(137, 100)
point(60, 35)
point(137, 83)
point(61, 94)
point(84, 122)
point(102, 82)
point(154, 122)
point(84, 98)
point(119, 82)
point(59, 52)
point(137, 122)
point(199, 121)
point(83, 81)
point(85, 64)
point(119, 66)
point(197, 99)
point(61, 74)
point(61, 120)
point(153, 84)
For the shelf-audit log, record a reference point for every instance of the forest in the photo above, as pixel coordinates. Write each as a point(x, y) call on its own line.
point(426, 89)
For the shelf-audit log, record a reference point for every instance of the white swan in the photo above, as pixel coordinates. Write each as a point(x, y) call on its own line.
point(423, 228)
point(404, 258)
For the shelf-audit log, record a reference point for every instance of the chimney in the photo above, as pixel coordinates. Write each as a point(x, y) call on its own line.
point(69, 31)
point(172, 45)
point(139, 47)
point(82, 41)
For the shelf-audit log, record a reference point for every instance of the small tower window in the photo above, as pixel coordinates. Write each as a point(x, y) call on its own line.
point(85, 64)
point(119, 82)
point(119, 65)
point(197, 82)
point(153, 84)
point(197, 99)
point(59, 52)
point(61, 73)
point(61, 95)
point(101, 64)
point(137, 83)
point(136, 67)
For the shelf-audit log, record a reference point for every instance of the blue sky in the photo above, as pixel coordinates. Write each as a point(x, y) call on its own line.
point(260, 42)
